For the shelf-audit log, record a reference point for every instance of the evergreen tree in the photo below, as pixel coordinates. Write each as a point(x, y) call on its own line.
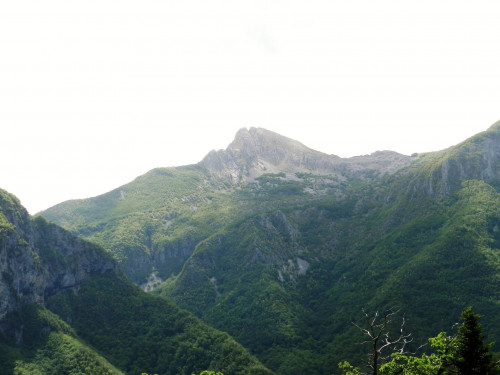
point(473, 356)
point(462, 354)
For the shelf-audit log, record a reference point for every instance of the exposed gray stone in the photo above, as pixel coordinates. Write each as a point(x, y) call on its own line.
point(38, 259)
point(257, 151)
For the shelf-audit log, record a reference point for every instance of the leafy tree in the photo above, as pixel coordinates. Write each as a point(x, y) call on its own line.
point(409, 365)
point(348, 369)
point(445, 347)
point(434, 364)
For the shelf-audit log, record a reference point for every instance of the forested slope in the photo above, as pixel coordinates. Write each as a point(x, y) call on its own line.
point(66, 308)
point(284, 261)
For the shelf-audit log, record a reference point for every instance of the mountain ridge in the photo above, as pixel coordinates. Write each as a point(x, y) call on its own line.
point(256, 151)
point(224, 163)
point(254, 158)
point(283, 259)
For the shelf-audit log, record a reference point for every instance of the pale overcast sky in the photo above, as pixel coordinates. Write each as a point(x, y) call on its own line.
point(94, 93)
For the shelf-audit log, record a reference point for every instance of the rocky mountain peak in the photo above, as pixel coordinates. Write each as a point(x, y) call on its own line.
point(257, 151)
point(259, 142)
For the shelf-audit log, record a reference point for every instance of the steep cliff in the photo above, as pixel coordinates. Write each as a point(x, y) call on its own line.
point(478, 158)
point(38, 259)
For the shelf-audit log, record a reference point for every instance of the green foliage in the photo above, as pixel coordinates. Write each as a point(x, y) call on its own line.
point(132, 329)
point(9, 356)
point(408, 365)
point(425, 239)
point(437, 363)
point(426, 256)
point(250, 297)
point(464, 354)
point(50, 346)
point(445, 348)
point(155, 222)
point(63, 354)
point(348, 369)
point(9, 208)
point(138, 332)
point(473, 356)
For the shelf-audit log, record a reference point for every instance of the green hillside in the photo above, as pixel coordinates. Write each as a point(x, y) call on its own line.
point(112, 319)
point(49, 346)
point(142, 333)
point(66, 309)
point(286, 262)
point(154, 223)
point(431, 266)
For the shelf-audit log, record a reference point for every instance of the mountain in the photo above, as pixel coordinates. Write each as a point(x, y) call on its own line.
point(257, 151)
point(282, 246)
point(66, 308)
point(153, 224)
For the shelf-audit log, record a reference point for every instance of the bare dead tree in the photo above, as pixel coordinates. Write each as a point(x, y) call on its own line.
point(380, 339)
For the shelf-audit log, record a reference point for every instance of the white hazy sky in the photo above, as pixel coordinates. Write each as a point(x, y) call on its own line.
point(94, 93)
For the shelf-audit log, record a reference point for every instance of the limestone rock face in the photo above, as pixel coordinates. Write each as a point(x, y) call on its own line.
point(257, 151)
point(38, 259)
point(21, 276)
point(477, 158)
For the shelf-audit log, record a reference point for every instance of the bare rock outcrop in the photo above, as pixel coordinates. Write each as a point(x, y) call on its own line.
point(38, 259)
point(257, 151)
